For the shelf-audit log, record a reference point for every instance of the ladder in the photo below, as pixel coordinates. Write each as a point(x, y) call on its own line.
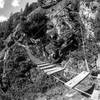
point(76, 80)
point(50, 69)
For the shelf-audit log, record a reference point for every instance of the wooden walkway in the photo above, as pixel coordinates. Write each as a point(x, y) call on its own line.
point(46, 67)
point(50, 69)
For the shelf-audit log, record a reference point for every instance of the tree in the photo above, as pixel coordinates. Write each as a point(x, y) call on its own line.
point(9, 29)
point(26, 9)
point(29, 8)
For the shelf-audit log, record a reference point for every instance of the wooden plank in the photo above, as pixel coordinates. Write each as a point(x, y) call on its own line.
point(40, 65)
point(47, 67)
point(51, 69)
point(76, 80)
point(54, 71)
point(95, 95)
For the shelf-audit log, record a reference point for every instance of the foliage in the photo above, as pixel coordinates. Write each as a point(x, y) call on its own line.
point(7, 28)
point(41, 81)
point(29, 8)
point(36, 27)
point(32, 27)
point(21, 73)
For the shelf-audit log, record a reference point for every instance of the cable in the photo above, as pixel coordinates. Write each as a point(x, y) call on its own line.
point(84, 52)
point(58, 79)
point(80, 91)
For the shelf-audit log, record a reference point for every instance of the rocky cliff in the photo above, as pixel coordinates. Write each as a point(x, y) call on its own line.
point(55, 32)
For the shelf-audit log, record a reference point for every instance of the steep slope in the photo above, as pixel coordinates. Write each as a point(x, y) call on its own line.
point(53, 33)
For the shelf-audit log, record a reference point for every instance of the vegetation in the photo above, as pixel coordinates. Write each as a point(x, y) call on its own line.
point(53, 40)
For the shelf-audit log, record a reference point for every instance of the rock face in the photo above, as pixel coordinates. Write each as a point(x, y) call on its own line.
point(55, 32)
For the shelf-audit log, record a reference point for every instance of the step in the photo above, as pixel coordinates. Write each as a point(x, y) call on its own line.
point(51, 69)
point(54, 71)
point(76, 80)
point(48, 67)
point(45, 64)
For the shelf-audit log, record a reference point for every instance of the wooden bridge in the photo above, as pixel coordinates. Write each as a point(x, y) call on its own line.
point(51, 69)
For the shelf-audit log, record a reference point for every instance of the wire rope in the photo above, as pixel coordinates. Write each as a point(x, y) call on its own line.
point(84, 52)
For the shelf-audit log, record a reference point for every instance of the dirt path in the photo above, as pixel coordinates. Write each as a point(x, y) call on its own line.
point(33, 59)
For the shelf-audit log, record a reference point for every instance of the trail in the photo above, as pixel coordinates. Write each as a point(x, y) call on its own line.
point(33, 58)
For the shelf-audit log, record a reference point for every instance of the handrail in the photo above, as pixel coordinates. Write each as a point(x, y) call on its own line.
point(74, 88)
